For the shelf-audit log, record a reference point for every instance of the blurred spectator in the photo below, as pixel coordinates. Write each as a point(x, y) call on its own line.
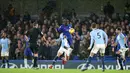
point(26, 17)
point(48, 25)
point(11, 13)
point(127, 8)
point(108, 10)
point(76, 43)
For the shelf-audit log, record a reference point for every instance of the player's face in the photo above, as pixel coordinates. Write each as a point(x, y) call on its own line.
point(4, 35)
point(68, 21)
point(64, 21)
point(36, 26)
point(117, 31)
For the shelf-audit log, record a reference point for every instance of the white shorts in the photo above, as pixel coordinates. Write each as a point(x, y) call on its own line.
point(98, 47)
point(62, 50)
point(65, 43)
point(68, 52)
point(123, 50)
point(4, 53)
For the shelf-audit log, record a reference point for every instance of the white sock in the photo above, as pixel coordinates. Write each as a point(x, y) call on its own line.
point(118, 63)
point(25, 62)
point(69, 51)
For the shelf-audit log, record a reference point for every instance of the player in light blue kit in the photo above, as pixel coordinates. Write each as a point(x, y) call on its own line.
point(5, 43)
point(66, 42)
point(122, 47)
point(99, 38)
point(61, 51)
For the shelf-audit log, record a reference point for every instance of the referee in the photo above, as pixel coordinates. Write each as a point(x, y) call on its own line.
point(34, 32)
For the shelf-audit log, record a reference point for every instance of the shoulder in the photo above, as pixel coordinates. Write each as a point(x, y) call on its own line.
point(92, 32)
point(102, 31)
point(61, 35)
point(61, 26)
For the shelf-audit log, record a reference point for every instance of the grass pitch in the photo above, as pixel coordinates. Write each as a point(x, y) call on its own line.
point(59, 71)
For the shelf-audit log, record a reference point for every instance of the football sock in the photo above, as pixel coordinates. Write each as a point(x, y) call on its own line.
point(55, 59)
point(25, 62)
point(35, 62)
point(120, 62)
point(88, 61)
point(102, 58)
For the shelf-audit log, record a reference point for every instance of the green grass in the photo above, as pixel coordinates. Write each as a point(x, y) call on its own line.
point(58, 71)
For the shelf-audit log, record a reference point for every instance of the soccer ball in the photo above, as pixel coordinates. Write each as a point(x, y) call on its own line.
point(71, 30)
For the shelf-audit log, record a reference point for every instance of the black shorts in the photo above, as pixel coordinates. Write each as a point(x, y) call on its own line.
point(34, 47)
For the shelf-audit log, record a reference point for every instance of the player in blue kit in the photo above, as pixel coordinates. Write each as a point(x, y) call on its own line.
point(5, 43)
point(122, 47)
point(64, 28)
point(27, 50)
point(66, 44)
point(99, 38)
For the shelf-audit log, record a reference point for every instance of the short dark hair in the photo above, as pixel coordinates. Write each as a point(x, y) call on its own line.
point(34, 24)
point(94, 25)
point(119, 28)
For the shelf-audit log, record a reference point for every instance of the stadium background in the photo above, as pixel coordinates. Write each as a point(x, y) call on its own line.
point(49, 14)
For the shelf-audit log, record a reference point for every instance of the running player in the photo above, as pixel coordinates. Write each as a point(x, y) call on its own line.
point(99, 38)
point(66, 43)
point(122, 47)
point(27, 51)
point(61, 51)
point(5, 43)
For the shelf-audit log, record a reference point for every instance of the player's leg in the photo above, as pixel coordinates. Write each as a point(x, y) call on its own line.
point(56, 57)
point(25, 58)
point(7, 58)
point(88, 62)
point(68, 53)
point(7, 61)
point(93, 51)
point(3, 58)
point(59, 53)
point(119, 58)
point(34, 49)
point(123, 56)
point(3, 61)
point(35, 58)
point(68, 46)
point(102, 53)
point(25, 62)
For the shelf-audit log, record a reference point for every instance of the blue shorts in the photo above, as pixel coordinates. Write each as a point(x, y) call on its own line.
point(27, 52)
point(70, 41)
point(118, 47)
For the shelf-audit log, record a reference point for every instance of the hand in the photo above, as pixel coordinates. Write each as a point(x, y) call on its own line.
point(89, 48)
point(126, 45)
point(53, 41)
point(112, 49)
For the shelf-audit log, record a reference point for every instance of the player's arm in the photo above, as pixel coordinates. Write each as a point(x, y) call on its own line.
point(115, 42)
point(91, 41)
point(27, 39)
point(0, 43)
point(43, 36)
point(125, 39)
point(9, 43)
point(59, 29)
point(106, 38)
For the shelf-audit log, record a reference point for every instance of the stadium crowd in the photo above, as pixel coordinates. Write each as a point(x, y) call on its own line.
point(16, 26)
